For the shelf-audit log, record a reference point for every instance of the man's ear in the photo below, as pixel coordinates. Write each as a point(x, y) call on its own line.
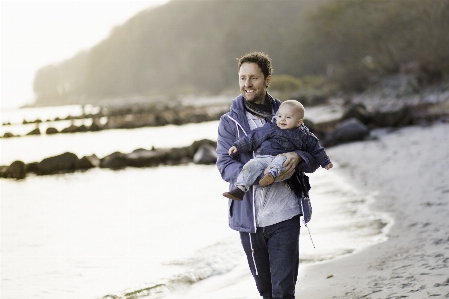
point(268, 80)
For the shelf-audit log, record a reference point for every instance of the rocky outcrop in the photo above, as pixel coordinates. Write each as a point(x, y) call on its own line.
point(51, 130)
point(65, 162)
point(36, 131)
point(151, 115)
point(88, 162)
point(17, 170)
point(348, 130)
point(205, 155)
point(199, 152)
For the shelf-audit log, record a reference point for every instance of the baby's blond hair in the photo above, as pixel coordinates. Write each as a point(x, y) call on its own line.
point(297, 106)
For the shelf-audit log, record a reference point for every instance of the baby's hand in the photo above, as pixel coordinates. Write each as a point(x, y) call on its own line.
point(232, 150)
point(329, 166)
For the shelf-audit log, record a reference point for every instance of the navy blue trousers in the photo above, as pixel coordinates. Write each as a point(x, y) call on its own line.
point(273, 258)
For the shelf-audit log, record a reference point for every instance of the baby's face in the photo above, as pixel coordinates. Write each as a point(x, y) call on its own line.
point(288, 118)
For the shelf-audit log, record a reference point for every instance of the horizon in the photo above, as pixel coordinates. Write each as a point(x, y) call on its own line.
point(39, 33)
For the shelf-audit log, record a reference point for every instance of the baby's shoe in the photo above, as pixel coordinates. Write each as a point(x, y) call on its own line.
point(267, 179)
point(235, 194)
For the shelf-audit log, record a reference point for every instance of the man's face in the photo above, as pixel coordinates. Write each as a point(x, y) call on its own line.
point(253, 84)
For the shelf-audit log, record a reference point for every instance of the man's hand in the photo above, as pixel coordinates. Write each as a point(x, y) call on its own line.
point(290, 164)
point(329, 166)
point(232, 150)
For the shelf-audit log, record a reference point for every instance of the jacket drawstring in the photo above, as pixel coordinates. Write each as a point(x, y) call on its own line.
point(252, 253)
point(305, 224)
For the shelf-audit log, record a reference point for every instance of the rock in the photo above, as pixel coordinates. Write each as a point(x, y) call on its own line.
point(17, 170)
point(115, 160)
point(32, 167)
point(180, 155)
point(70, 129)
point(82, 128)
point(95, 126)
point(51, 130)
point(3, 171)
point(358, 111)
point(88, 162)
point(146, 158)
point(62, 163)
point(35, 132)
point(8, 135)
point(396, 116)
point(205, 155)
point(349, 130)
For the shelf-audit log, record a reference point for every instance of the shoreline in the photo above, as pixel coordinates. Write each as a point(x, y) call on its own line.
point(408, 168)
point(412, 261)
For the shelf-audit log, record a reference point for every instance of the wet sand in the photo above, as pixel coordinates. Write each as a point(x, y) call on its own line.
point(409, 171)
point(406, 171)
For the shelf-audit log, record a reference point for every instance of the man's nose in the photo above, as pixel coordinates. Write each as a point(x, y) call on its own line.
point(248, 82)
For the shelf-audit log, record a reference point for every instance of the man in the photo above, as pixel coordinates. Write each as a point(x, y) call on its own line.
point(267, 218)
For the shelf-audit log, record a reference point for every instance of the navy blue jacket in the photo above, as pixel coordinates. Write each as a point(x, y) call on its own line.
point(234, 125)
point(272, 140)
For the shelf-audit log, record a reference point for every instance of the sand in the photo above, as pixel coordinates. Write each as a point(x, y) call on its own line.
point(409, 170)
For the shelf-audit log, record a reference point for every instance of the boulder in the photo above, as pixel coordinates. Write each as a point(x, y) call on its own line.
point(393, 116)
point(358, 111)
point(35, 132)
point(51, 130)
point(115, 160)
point(88, 162)
point(70, 129)
point(62, 163)
point(33, 167)
point(82, 128)
point(3, 171)
point(8, 135)
point(17, 170)
point(349, 130)
point(205, 155)
point(146, 158)
point(96, 125)
point(180, 155)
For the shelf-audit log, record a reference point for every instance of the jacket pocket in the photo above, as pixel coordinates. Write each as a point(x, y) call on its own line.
point(231, 206)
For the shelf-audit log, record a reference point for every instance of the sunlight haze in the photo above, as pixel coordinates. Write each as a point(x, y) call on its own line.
point(38, 33)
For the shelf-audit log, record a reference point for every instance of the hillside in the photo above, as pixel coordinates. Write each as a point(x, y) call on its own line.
point(191, 46)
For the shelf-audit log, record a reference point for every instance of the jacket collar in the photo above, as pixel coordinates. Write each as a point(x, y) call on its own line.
point(238, 108)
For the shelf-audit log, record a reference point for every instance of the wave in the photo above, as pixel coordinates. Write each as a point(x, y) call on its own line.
point(213, 260)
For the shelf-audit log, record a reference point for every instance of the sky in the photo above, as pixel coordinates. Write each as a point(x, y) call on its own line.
point(38, 33)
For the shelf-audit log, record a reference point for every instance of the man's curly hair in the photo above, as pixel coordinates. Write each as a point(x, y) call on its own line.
point(261, 59)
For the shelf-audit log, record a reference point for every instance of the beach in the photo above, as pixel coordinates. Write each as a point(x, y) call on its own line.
point(379, 222)
point(408, 168)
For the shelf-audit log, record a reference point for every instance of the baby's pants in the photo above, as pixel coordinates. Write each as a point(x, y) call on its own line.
point(252, 170)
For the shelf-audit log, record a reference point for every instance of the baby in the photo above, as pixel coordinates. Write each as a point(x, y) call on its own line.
point(269, 142)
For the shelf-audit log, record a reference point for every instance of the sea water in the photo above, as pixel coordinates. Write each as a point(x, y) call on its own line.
point(149, 232)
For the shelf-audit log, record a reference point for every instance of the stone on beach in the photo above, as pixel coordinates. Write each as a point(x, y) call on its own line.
point(348, 130)
point(17, 170)
point(205, 155)
point(61, 163)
